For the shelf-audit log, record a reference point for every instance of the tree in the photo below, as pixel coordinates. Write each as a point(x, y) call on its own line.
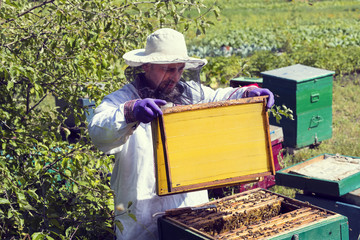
point(55, 186)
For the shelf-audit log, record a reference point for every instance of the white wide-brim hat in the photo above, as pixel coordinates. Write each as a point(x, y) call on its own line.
point(164, 46)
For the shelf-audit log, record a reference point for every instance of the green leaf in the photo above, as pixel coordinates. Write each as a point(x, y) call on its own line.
point(67, 131)
point(10, 214)
point(75, 188)
point(119, 225)
point(4, 201)
point(216, 11)
point(21, 196)
point(67, 173)
point(38, 236)
point(132, 216)
point(12, 3)
point(28, 207)
point(32, 193)
point(10, 85)
point(55, 223)
point(65, 162)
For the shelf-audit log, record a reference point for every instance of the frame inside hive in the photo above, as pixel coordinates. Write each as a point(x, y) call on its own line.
point(255, 214)
point(211, 145)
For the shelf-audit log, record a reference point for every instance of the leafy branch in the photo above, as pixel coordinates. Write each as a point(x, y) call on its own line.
point(279, 111)
point(27, 11)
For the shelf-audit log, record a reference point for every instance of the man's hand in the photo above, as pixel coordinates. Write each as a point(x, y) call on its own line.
point(147, 109)
point(263, 92)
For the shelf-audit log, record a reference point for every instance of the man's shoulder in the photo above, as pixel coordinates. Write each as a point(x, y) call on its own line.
point(127, 92)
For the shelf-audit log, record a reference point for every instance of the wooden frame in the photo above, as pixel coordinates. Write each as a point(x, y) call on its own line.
point(210, 145)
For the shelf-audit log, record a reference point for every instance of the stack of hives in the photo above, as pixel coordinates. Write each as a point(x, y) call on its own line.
point(251, 216)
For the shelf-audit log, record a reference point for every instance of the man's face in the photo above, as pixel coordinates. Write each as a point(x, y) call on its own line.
point(164, 76)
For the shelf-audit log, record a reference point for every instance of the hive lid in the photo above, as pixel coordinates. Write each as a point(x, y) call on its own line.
point(298, 73)
point(210, 145)
point(326, 174)
point(248, 80)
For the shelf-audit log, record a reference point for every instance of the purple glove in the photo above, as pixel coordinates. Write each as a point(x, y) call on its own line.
point(263, 92)
point(147, 109)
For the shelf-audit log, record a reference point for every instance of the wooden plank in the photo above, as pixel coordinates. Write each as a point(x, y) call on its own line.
point(222, 182)
point(166, 154)
point(221, 104)
point(303, 164)
point(161, 175)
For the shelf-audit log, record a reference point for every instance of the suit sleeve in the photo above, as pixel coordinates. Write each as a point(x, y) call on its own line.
point(109, 128)
point(226, 93)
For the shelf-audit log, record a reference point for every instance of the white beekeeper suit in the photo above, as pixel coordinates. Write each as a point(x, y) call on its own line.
point(133, 177)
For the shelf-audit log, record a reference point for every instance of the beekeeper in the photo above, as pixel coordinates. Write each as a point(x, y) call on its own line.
point(160, 74)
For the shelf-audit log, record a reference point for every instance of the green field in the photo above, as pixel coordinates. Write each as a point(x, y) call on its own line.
point(272, 34)
point(270, 23)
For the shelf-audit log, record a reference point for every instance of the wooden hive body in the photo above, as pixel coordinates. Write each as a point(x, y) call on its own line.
point(255, 214)
point(307, 91)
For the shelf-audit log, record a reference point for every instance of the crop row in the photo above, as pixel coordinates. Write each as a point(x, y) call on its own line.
point(244, 42)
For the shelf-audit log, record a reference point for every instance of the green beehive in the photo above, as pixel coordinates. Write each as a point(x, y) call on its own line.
point(307, 91)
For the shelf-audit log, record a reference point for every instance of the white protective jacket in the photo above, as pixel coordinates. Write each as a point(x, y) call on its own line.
point(133, 177)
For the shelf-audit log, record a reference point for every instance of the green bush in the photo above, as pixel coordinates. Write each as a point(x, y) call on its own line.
point(54, 187)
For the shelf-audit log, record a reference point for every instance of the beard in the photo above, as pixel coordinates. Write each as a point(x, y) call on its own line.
point(183, 93)
point(180, 95)
point(173, 96)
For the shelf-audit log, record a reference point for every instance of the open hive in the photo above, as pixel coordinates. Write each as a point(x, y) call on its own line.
point(255, 214)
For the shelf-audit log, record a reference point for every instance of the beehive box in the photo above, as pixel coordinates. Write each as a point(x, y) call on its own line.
point(307, 91)
point(327, 174)
point(255, 214)
point(211, 145)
